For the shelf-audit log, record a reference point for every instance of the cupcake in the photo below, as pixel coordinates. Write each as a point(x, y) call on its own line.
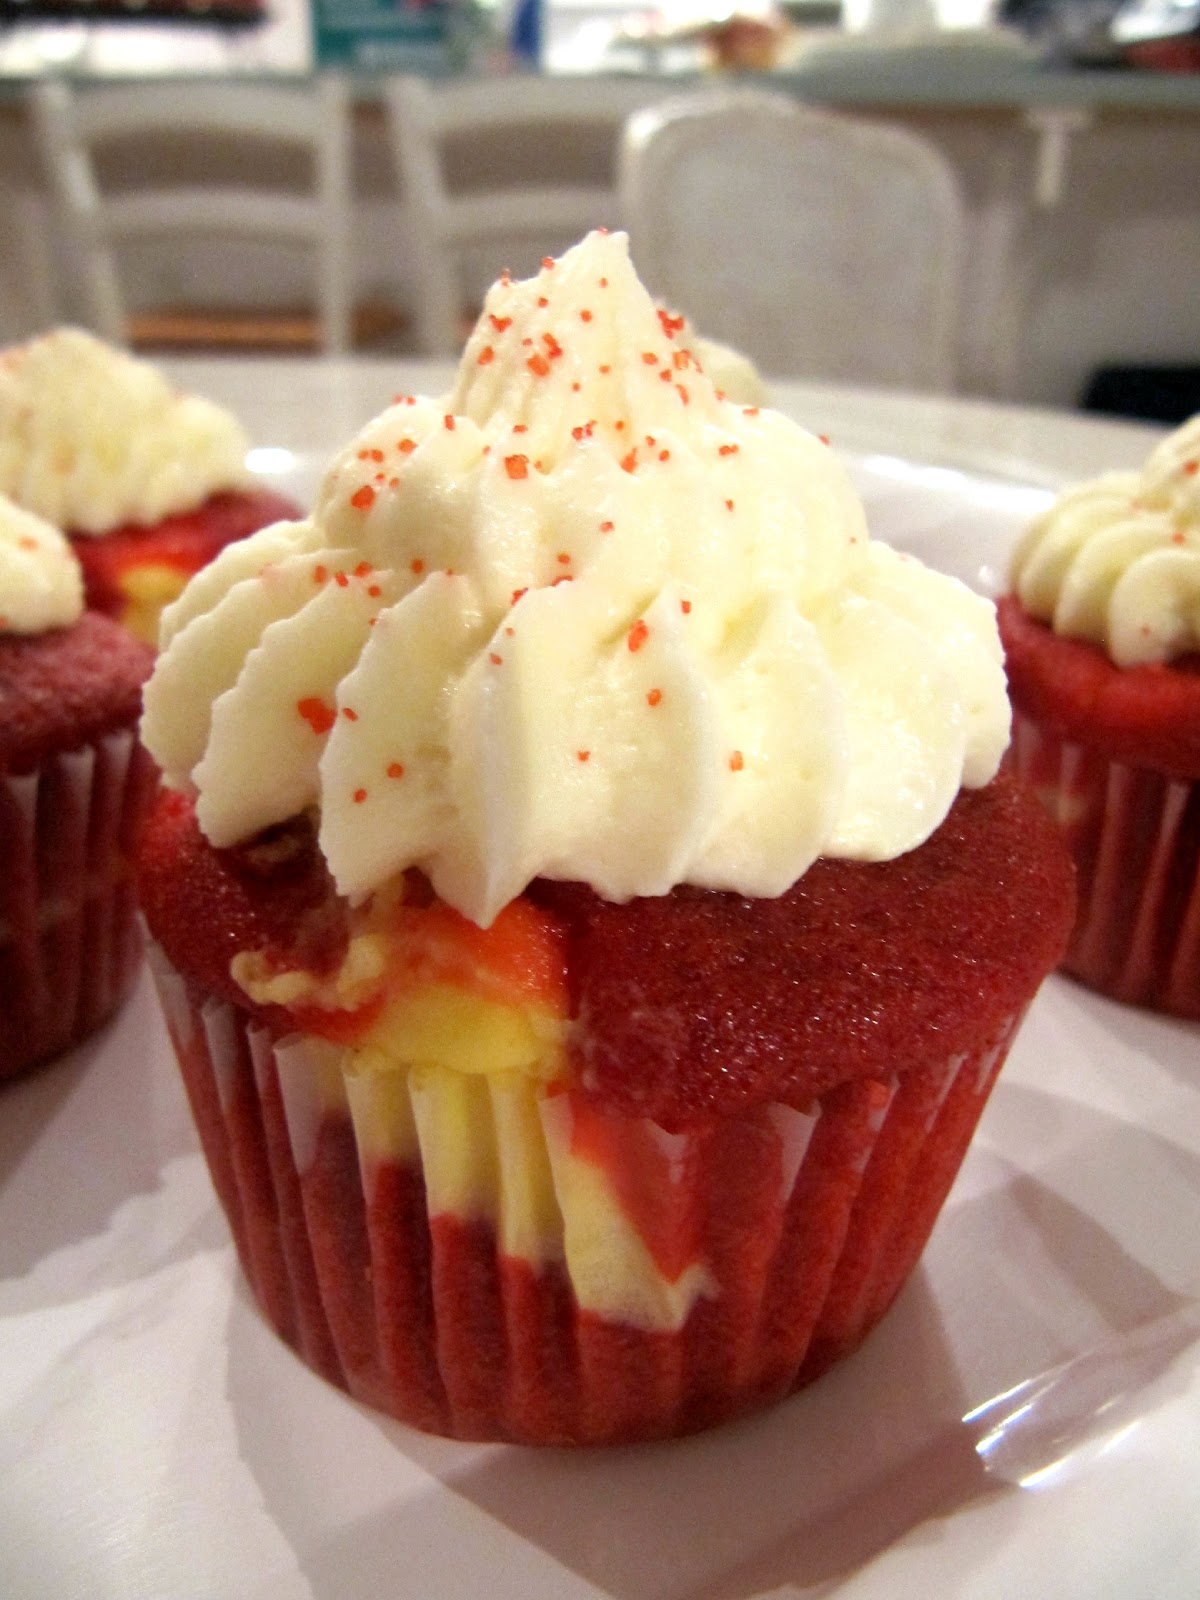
point(74, 784)
point(1102, 637)
point(587, 913)
point(147, 483)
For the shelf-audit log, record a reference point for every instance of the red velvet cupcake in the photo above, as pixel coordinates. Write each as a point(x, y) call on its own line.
point(74, 786)
point(148, 484)
point(1102, 638)
point(587, 914)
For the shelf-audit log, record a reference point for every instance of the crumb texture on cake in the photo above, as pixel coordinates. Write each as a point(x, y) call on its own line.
point(67, 687)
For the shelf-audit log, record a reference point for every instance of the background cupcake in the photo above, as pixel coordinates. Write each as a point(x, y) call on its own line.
point(590, 922)
point(74, 785)
point(1102, 637)
point(147, 483)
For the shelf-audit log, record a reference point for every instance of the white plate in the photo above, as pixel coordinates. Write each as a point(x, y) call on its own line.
point(156, 1440)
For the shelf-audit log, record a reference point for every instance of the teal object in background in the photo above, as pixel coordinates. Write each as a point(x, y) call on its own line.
point(385, 35)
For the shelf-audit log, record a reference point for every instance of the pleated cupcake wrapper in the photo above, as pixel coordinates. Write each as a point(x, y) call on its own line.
point(800, 1229)
point(1135, 838)
point(69, 943)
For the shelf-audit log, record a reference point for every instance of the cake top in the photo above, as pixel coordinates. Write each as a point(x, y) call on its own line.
point(1117, 560)
point(41, 585)
point(581, 619)
point(92, 439)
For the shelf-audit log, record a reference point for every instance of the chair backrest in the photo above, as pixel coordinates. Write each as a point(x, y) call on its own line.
point(500, 126)
point(822, 246)
point(74, 126)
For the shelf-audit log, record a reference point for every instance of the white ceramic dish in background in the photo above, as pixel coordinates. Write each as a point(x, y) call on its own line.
point(156, 1440)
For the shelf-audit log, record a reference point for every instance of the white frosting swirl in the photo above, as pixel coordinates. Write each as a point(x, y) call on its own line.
point(582, 619)
point(41, 585)
point(91, 438)
point(1117, 560)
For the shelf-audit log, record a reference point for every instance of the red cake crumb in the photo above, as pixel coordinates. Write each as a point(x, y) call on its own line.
point(1146, 716)
point(188, 540)
point(699, 1004)
point(66, 688)
point(205, 906)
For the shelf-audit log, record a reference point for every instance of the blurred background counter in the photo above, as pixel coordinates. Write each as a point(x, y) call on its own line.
point(1080, 186)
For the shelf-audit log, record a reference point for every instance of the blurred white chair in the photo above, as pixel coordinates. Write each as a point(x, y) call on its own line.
point(512, 142)
point(101, 208)
point(822, 246)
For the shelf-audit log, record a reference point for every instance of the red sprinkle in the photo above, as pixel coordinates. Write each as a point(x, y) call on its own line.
point(494, 658)
point(685, 606)
point(654, 697)
point(552, 345)
point(728, 450)
point(499, 323)
point(735, 761)
point(729, 505)
point(585, 315)
point(538, 365)
point(374, 591)
point(605, 368)
point(417, 564)
point(664, 455)
point(649, 358)
point(1191, 468)
point(362, 499)
point(749, 411)
point(349, 714)
point(448, 423)
point(316, 713)
point(342, 581)
point(548, 263)
point(517, 466)
point(520, 427)
point(407, 446)
point(683, 394)
point(629, 462)
point(824, 438)
point(517, 593)
point(583, 755)
point(320, 574)
point(364, 569)
point(359, 796)
point(395, 770)
point(606, 527)
point(637, 635)
point(486, 356)
point(542, 301)
point(563, 558)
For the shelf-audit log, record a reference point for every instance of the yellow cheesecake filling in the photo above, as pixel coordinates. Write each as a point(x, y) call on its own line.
point(444, 1045)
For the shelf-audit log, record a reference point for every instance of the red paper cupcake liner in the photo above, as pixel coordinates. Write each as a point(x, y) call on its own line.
point(69, 942)
point(1135, 838)
point(807, 1226)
